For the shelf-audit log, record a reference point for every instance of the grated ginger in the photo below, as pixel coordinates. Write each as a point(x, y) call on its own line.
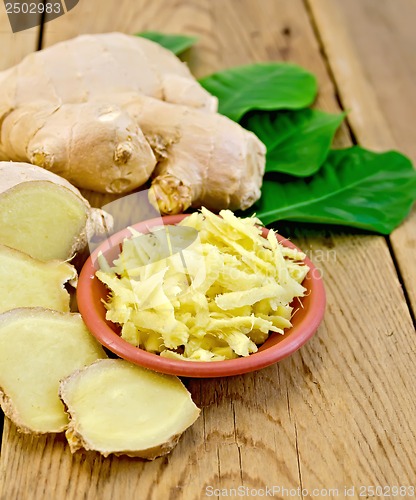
point(209, 289)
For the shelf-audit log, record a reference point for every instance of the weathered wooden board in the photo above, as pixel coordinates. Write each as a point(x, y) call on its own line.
point(13, 47)
point(341, 412)
point(371, 47)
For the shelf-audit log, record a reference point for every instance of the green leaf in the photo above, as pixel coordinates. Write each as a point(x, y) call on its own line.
point(175, 43)
point(355, 187)
point(297, 142)
point(269, 86)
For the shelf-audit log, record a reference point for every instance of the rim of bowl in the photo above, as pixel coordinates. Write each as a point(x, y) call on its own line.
point(300, 333)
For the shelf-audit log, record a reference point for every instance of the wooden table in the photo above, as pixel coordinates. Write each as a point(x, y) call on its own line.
point(341, 412)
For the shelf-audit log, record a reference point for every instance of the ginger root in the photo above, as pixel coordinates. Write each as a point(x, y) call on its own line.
point(119, 408)
point(205, 159)
point(43, 215)
point(28, 282)
point(108, 111)
point(38, 348)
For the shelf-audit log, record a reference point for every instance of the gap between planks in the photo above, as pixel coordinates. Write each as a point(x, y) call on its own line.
point(41, 28)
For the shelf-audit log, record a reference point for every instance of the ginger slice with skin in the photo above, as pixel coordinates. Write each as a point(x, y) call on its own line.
point(119, 408)
point(38, 348)
point(28, 282)
point(43, 215)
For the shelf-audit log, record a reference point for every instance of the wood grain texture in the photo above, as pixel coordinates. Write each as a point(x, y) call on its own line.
point(339, 412)
point(371, 46)
point(14, 46)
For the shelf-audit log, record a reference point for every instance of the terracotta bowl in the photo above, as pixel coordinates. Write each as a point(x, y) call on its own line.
point(91, 292)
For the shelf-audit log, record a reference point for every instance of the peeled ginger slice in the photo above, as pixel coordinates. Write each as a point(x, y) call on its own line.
point(43, 215)
point(42, 219)
point(116, 407)
point(28, 282)
point(38, 348)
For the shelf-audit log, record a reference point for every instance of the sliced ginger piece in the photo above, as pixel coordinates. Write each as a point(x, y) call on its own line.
point(42, 214)
point(38, 348)
point(28, 282)
point(120, 408)
point(41, 219)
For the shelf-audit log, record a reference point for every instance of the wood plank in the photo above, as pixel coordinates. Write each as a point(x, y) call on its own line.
point(14, 46)
point(331, 415)
point(370, 45)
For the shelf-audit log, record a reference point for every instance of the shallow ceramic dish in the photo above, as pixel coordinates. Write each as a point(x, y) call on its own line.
point(91, 292)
